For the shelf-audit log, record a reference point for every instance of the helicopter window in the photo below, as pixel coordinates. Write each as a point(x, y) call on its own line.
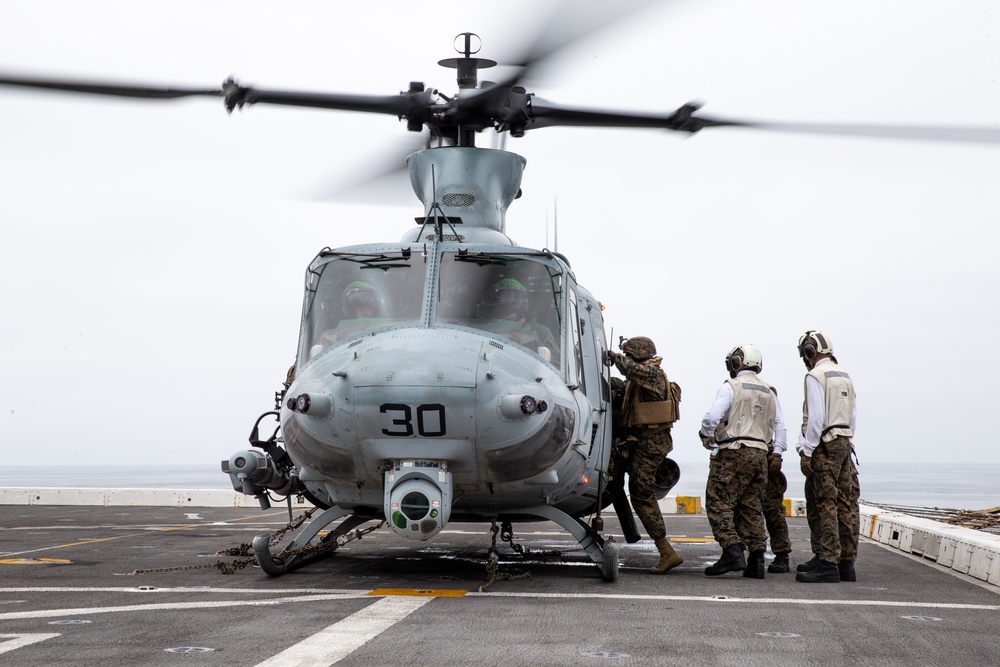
point(574, 357)
point(354, 294)
point(508, 295)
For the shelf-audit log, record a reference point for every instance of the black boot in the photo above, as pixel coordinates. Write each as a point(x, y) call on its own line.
point(755, 565)
point(824, 573)
point(847, 572)
point(779, 564)
point(731, 561)
point(809, 565)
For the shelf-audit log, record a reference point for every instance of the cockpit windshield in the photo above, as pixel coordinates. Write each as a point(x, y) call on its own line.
point(355, 293)
point(515, 297)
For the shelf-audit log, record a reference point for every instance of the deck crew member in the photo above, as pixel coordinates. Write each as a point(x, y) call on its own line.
point(737, 430)
point(825, 447)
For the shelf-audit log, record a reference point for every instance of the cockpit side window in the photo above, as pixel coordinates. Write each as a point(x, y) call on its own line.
point(517, 298)
point(354, 294)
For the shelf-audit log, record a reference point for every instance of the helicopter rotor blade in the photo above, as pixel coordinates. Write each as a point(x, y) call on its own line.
point(543, 114)
point(685, 119)
point(107, 88)
point(382, 177)
point(955, 134)
point(414, 104)
point(571, 22)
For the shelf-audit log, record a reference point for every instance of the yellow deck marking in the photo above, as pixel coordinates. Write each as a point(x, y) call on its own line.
point(139, 534)
point(695, 540)
point(76, 544)
point(419, 592)
point(34, 561)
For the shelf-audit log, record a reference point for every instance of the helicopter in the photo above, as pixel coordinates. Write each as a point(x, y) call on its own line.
point(432, 411)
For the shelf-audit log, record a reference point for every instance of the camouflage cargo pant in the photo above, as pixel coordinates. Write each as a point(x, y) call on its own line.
point(833, 515)
point(736, 479)
point(774, 517)
point(645, 456)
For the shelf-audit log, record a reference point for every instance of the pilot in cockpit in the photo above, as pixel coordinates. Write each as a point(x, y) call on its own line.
point(362, 310)
point(360, 300)
point(506, 307)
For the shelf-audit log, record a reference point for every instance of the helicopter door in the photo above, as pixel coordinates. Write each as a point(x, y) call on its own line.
point(592, 349)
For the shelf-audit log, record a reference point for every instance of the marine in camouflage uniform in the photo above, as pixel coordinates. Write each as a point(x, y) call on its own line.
point(647, 445)
point(742, 423)
point(829, 414)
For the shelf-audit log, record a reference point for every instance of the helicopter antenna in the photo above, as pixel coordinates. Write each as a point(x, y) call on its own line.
point(555, 225)
point(437, 212)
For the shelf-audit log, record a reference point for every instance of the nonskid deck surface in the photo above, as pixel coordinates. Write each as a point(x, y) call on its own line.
point(69, 595)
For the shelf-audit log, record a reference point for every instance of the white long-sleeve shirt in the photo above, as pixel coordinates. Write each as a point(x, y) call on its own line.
point(720, 410)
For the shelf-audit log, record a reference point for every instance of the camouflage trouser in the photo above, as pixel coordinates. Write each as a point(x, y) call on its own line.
point(736, 479)
point(774, 517)
point(835, 502)
point(644, 458)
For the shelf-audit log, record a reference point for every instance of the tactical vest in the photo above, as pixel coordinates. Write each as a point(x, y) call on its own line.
point(838, 395)
point(750, 422)
point(651, 412)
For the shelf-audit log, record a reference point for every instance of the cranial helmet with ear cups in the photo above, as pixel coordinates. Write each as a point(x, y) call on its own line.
point(745, 356)
point(813, 343)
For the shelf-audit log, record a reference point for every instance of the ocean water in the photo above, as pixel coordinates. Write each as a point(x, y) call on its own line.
point(942, 485)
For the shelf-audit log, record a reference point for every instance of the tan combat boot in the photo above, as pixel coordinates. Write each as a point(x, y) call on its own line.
point(669, 559)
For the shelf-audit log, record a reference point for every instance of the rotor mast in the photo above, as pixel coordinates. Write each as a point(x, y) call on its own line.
point(467, 77)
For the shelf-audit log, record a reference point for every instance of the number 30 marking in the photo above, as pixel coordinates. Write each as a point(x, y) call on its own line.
point(406, 420)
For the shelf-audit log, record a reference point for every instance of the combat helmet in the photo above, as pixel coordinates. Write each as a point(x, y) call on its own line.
point(639, 348)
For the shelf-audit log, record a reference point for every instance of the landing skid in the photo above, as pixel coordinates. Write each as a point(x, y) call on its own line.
point(298, 553)
point(604, 552)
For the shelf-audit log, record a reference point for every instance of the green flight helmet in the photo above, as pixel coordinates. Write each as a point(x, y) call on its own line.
point(509, 299)
point(359, 294)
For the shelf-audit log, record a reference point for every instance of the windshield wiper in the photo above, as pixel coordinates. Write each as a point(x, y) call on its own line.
point(501, 258)
point(374, 261)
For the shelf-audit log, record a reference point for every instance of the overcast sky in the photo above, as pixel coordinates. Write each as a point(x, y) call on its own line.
point(153, 252)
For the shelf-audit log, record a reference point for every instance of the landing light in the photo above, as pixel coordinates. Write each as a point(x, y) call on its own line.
point(517, 406)
point(316, 404)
